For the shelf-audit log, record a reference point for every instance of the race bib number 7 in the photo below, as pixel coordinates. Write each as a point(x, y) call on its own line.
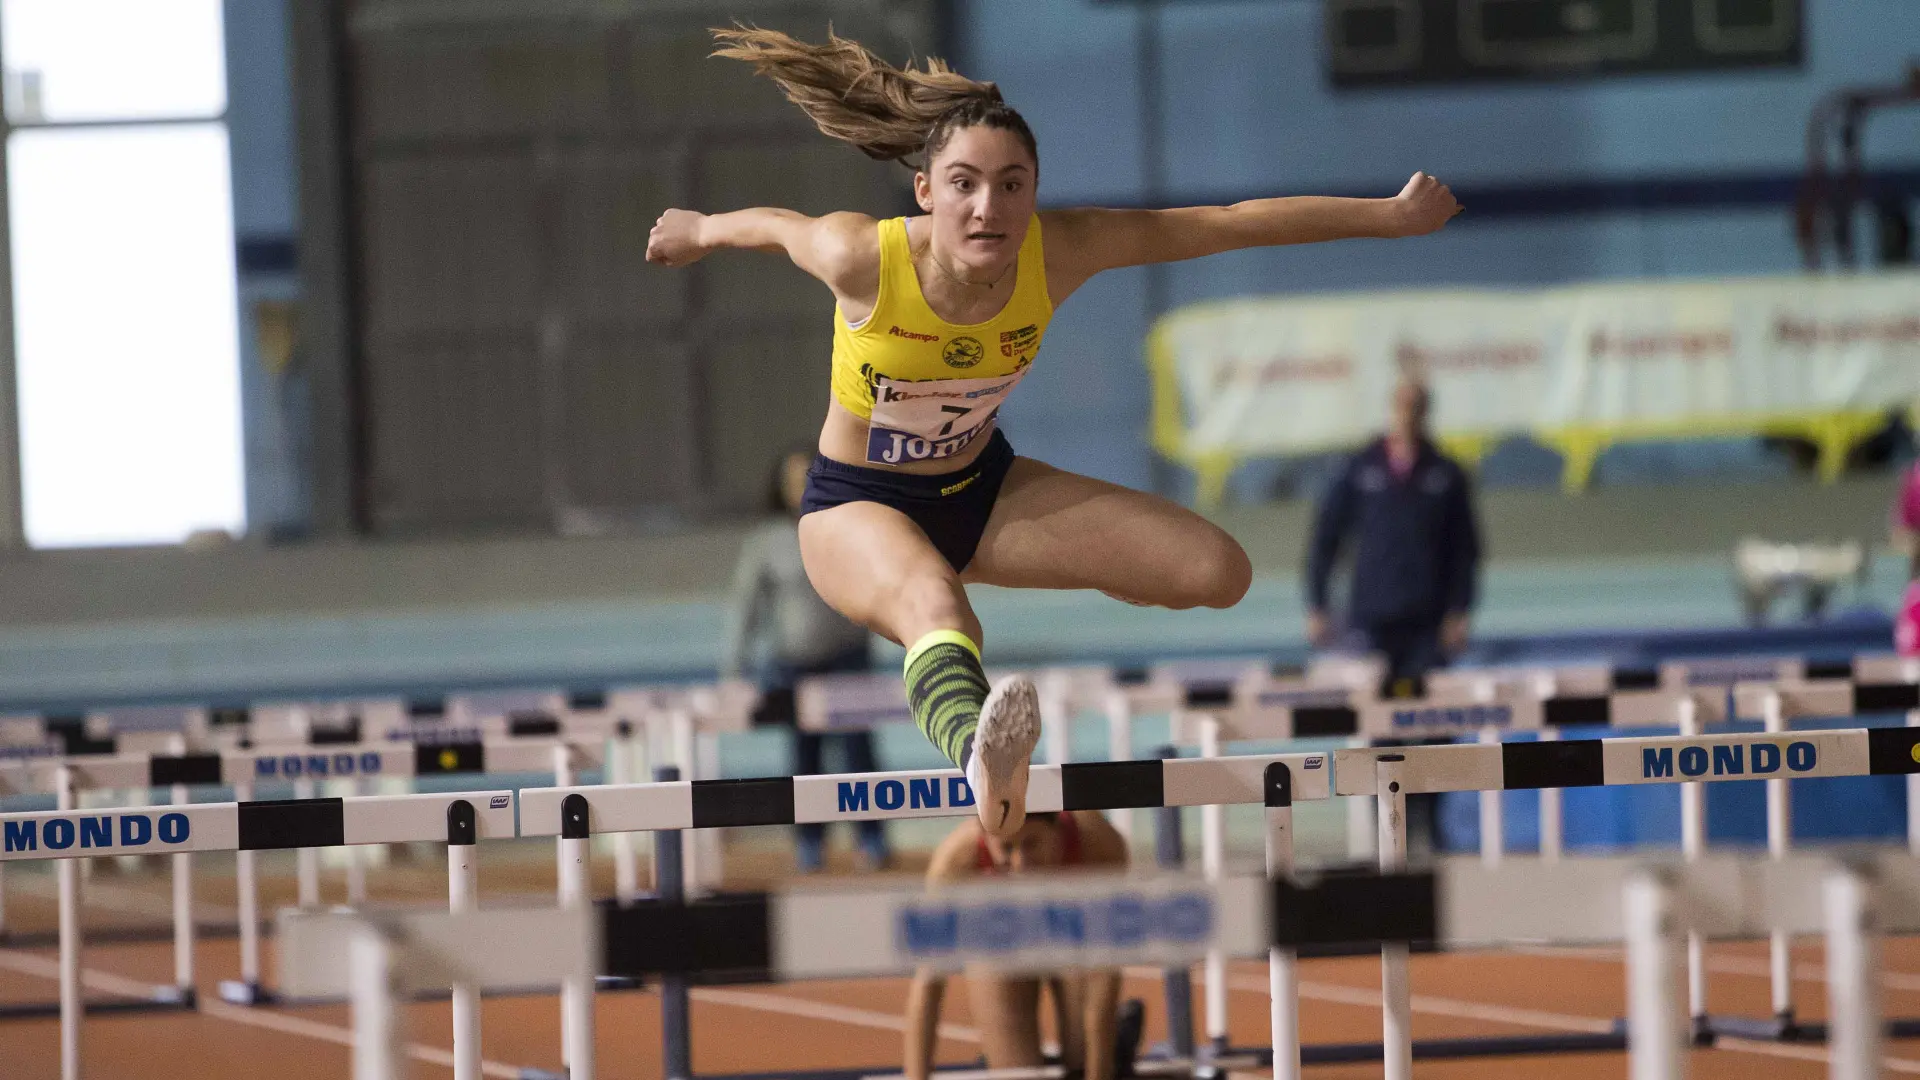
point(926, 421)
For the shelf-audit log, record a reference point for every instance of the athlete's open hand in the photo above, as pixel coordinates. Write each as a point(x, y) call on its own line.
point(675, 239)
point(1423, 206)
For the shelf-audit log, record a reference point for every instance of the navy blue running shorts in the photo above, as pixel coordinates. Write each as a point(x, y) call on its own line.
point(951, 508)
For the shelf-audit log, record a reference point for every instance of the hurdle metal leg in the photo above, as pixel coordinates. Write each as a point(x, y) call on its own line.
point(1362, 824)
point(1656, 1038)
point(1853, 986)
point(1396, 994)
point(1170, 854)
point(247, 989)
point(463, 886)
point(1213, 842)
point(72, 1008)
point(1693, 844)
point(1913, 796)
point(307, 860)
point(626, 869)
point(1552, 814)
point(1493, 827)
point(676, 1016)
point(680, 733)
point(1779, 842)
point(356, 857)
point(711, 842)
point(1283, 976)
point(183, 974)
point(1120, 748)
point(576, 994)
point(379, 1049)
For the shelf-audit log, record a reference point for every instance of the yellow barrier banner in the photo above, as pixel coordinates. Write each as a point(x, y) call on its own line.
point(1576, 367)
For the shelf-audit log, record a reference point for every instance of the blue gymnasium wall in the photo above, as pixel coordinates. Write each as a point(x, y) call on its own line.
point(265, 219)
point(1247, 111)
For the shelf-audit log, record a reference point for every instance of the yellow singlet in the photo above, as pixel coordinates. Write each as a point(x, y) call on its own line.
point(927, 387)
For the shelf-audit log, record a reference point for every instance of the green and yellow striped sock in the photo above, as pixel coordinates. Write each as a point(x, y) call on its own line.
point(946, 687)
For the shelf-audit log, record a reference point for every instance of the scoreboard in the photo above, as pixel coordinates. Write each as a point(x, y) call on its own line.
point(1389, 42)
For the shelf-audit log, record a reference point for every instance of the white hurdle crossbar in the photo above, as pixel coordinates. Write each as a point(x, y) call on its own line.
point(1103, 921)
point(69, 835)
point(703, 804)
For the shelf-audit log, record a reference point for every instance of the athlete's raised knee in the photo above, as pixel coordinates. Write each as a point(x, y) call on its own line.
point(927, 602)
point(1213, 573)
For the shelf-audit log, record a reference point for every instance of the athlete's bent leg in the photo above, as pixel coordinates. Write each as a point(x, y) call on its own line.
point(1052, 529)
point(1006, 1010)
point(875, 566)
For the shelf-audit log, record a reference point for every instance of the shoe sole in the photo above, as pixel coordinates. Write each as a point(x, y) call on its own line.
point(1003, 744)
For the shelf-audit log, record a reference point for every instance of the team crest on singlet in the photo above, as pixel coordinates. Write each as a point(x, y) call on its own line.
point(927, 421)
point(963, 352)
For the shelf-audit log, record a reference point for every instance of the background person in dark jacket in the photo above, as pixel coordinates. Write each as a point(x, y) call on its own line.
point(1406, 510)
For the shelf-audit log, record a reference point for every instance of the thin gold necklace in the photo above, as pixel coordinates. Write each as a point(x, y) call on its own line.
point(955, 278)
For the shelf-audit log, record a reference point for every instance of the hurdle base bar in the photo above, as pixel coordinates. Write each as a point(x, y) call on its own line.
point(237, 992)
point(115, 935)
point(1812, 1031)
point(1780, 1028)
point(1437, 1049)
point(163, 999)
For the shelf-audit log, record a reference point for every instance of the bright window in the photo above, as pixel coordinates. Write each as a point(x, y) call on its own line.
point(125, 312)
point(93, 60)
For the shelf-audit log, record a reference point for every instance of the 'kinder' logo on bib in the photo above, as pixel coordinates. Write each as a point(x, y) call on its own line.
point(927, 421)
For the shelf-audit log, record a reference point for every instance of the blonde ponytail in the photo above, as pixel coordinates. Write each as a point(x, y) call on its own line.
point(889, 113)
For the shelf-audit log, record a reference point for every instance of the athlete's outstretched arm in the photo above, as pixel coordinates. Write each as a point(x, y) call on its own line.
point(1081, 243)
point(841, 249)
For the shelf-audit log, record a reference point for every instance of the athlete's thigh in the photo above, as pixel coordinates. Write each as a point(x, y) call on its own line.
point(1006, 1010)
point(872, 564)
point(1052, 529)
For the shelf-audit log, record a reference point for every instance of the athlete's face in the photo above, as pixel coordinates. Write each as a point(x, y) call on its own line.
point(1036, 844)
point(980, 191)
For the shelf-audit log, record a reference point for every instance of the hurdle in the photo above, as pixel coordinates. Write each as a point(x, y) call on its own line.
point(579, 813)
point(243, 770)
point(1686, 760)
point(68, 835)
point(1866, 685)
point(1115, 920)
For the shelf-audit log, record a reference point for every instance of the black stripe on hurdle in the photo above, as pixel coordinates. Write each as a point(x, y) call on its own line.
point(343, 735)
point(1636, 679)
point(728, 933)
point(1209, 695)
point(461, 757)
point(1552, 764)
point(293, 823)
point(74, 740)
point(1314, 721)
point(185, 769)
point(1571, 711)
point(530, 725)
point(719, 803)
point(1829, 669)
point(1351, 908)
point(1893, 750)
point(1111, 785)
point(1885, 697)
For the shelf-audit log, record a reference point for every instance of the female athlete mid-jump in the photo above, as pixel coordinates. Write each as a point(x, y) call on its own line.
point(915, 491)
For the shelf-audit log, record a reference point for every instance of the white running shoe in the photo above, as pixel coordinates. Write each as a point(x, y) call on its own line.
point(1002, 750)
